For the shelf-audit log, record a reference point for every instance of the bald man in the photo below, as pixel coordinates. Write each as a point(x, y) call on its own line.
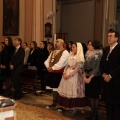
point(55, 65)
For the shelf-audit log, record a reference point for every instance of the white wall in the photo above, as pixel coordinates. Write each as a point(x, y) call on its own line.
point(78, 24)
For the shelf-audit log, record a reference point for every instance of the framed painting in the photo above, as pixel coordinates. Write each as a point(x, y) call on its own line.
point(48, 30)
point(10, 17)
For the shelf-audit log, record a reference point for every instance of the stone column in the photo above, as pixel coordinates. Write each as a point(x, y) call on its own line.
point(37, 23)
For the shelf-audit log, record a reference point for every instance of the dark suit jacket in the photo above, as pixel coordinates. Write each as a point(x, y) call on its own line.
point(42, 56)
point(17, 60)
point(33, 58)
point(112, 67)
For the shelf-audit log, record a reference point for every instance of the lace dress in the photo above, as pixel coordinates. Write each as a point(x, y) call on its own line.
point(72, 91)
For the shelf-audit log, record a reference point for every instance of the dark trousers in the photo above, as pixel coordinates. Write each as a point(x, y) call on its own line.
point(113, 111)
point(16, 84)
point(2, 79)
point(55, 94)
point(1, 85)
point(43, 77)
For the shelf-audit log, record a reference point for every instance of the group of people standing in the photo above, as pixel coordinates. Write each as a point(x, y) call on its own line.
point(11, 66)
point(76, 76)
point(14, 57)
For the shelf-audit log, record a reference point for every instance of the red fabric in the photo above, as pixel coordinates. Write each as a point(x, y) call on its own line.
point(58, 71)
point(72, 103)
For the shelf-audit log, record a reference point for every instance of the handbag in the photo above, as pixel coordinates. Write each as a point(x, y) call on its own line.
point(32, 67)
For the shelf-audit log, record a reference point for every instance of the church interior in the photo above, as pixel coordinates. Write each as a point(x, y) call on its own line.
point(48, 20)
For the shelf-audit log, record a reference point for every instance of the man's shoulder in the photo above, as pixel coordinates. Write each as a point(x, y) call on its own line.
point(66, 52)
point(118, 45)
point(21, 50)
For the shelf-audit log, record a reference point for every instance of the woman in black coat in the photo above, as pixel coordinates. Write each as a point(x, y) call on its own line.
point(6, 57)
point(33, 56)
point(42, 56)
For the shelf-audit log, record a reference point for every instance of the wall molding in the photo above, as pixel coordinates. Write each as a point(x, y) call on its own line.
point(65, 2)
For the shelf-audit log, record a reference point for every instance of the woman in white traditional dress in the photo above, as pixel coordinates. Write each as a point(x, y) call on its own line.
point(72, 86)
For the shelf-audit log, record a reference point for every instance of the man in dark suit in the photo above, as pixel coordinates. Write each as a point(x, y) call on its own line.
point(110, 69)
point(16, 66)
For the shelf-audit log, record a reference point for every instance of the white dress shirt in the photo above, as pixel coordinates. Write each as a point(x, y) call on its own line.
point(61, 63)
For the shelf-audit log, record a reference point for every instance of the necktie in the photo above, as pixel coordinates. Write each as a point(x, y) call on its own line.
point(109, 53)
point(16, 50)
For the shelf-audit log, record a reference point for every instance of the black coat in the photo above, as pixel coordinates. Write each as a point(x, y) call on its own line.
point(33, 58)
point(17, 60)
point(112, 67)
point(42, 57)
point(5, 60)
